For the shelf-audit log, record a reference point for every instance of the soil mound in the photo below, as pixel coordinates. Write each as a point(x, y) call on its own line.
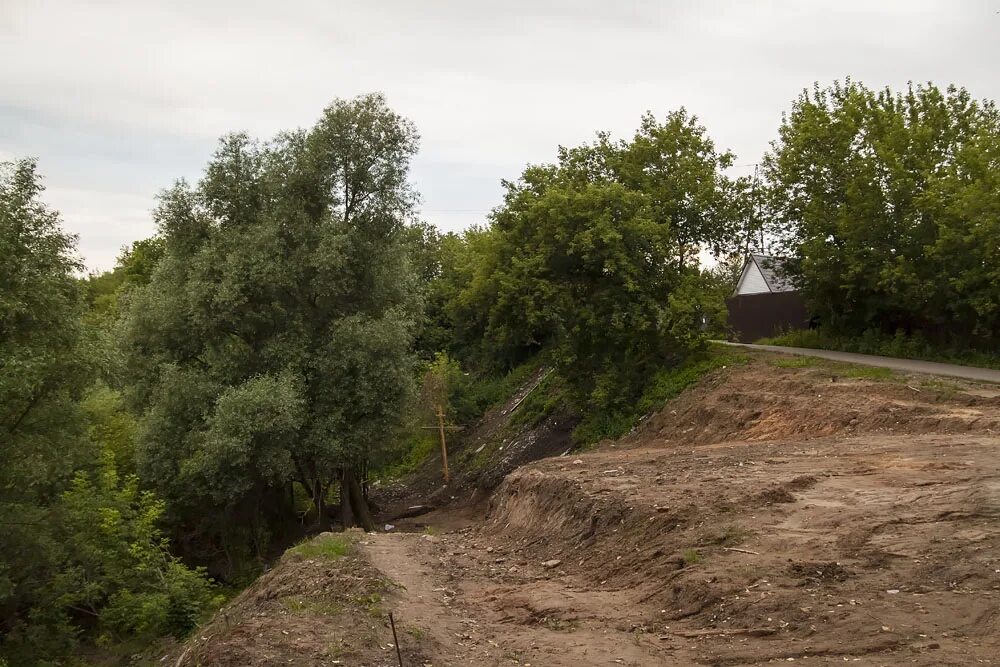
point(322, 604)
point(763, 401)
point(786, 516)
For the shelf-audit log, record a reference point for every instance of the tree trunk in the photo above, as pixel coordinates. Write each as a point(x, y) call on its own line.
point(346, 515)
point(319, 493)
point(358, 503)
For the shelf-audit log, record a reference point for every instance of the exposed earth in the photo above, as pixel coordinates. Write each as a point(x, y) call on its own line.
point(776, 512)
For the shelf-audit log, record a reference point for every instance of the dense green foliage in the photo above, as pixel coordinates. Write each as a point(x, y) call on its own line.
point(82, 554)
point(292, 327)
point(271, 346)
point(889, 206)
point(594, 259)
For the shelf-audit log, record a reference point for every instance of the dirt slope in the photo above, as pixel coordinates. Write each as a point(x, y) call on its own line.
point(770, 514)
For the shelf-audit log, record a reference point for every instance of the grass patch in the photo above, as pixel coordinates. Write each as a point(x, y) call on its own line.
point(662, 387)
point(795, 362)
point(899, 346)
point(475, 394)
point(422, 445)
point(732, 536)
point(372, 604)
point(304, 605)
point(941, 386)
point(548, 397)
point(876, 373)
point(691, 556)
point(330, 547)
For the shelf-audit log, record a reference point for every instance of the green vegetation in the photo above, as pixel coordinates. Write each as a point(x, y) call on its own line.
point(665, 384)
point(272, 345)
point(330, 547)
point(837, 368)
point(83, 557)
point(888, 206)
point(292, 329)
point(313, 605)
point(872, 342)
point(691, 556)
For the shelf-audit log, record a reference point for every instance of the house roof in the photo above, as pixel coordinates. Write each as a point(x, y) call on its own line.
point(763, 274)
point(772, 268)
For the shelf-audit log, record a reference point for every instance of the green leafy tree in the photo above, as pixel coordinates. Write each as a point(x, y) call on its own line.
point(886, 203)
point(271, 346)
point(43, 373)
point(81, 554)
point(594, 258)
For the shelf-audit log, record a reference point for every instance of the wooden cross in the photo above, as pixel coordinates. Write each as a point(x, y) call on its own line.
point(444, 445)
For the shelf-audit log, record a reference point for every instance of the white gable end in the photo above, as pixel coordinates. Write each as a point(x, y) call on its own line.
point(752, 281)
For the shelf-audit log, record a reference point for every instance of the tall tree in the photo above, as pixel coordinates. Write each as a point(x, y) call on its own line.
point(80, 548)
point(595, 257)
point(42, 375)
point(271, 346)
point(884, 202)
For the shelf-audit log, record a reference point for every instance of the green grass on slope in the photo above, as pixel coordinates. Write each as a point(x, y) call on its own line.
point(665, 385)
point(898, 346)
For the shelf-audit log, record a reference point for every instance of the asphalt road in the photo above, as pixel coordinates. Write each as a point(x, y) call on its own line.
point(906, 365)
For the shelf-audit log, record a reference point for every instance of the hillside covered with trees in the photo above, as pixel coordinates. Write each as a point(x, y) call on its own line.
point(169, 427)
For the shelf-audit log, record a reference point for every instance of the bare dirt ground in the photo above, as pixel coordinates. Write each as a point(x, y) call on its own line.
point(770, 514)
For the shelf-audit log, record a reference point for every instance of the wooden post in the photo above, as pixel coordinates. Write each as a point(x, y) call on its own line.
point(444, 445)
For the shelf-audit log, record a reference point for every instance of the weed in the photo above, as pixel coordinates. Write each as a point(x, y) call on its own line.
point(559, 624)
point(795, 362)
point(691, 556)
point(416, 633)
point(731, 536)
point(430, 530)
point(330, 547)
point(372, 604)
point(322, 606)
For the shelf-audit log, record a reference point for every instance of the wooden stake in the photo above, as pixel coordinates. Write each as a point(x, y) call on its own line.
point(444, 445)
point(395, 640)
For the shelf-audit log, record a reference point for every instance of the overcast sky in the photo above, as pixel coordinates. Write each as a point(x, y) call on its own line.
point(119, 99)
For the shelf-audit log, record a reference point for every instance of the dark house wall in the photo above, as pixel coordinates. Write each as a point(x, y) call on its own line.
point(756, 316)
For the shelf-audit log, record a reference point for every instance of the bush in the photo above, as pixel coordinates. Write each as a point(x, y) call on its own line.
point(899, 345)
point(666, 384)
point(116, 567)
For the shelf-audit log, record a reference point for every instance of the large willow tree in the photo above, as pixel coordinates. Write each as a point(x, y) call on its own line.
point(271, 347)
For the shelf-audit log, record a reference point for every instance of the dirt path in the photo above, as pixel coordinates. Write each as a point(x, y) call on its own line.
point(771, 514)
point(774, 515)
point(484, 608)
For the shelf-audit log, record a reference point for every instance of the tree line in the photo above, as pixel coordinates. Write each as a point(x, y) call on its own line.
point(234, 380)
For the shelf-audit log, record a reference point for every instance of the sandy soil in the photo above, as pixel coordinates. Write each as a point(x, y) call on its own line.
point(771, 514)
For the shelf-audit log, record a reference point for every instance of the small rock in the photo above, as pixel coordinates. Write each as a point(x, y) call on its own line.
point(549, 564)
point(489, 550)
point(577, 462)
point(389, 527)
point(892, 591)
